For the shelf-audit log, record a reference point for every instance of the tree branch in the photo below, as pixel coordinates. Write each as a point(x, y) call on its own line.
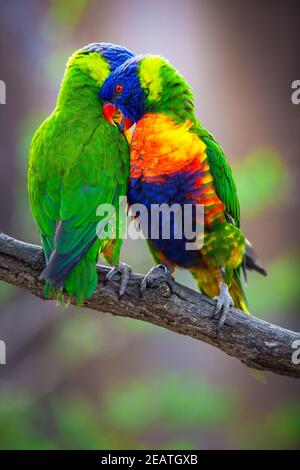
point(256, 343)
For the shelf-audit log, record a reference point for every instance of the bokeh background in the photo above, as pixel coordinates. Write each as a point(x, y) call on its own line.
point(75, 379)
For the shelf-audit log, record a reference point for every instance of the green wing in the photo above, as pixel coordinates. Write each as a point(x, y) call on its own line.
point(222, 174)
point(70, 175)
point(44, 191)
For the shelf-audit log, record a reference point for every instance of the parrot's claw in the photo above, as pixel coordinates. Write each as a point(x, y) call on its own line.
point(224, 304)
point(160, 272)
point(124, 270)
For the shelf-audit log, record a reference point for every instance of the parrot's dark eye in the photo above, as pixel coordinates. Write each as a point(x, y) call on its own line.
point(119, 88)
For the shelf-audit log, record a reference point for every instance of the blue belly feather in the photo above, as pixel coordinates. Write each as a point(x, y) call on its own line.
point(172, 190)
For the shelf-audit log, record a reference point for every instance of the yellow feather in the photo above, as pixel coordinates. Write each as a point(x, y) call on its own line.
point(93, 62)
point(150, 75)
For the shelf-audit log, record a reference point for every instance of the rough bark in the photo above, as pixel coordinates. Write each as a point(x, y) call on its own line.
point(255, 342)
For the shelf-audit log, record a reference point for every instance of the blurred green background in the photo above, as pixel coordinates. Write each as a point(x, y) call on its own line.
point(75, 379)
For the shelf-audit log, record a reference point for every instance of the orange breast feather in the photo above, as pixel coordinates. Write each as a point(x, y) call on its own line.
point(161, 148)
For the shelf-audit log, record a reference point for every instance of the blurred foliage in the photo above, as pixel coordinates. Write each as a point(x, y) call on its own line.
point(59, 20)
point(279, 291)
point(171, 400)
point(78, 338)
point(262, 180)
point(167, 407)
point(158, 411)
point(279, 429)
point(25, 226)
point(54, 66)
point(180, 444)
point(7, 292)
point(18, 420)
point(79, 426)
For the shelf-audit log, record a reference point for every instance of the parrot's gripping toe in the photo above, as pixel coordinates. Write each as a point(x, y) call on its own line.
point(155, 276)
point(224, 304)
point(124, 270)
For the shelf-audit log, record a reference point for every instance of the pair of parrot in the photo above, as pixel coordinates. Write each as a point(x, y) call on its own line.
point(81, 157)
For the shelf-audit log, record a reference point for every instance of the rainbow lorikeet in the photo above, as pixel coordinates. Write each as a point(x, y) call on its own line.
point(78, 161)
point(175, 160)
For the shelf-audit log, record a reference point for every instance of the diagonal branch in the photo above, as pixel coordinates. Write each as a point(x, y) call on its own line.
point(256, 343)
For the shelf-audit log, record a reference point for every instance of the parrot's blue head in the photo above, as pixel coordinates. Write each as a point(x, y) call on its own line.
point(143, 84)
point(123, 90)
point(115, 55)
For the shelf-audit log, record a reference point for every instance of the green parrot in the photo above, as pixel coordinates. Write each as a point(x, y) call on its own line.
point(78, 161)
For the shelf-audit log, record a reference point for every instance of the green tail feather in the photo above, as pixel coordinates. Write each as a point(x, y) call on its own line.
point(80, 283)
point(83, 279)
point(237, 292)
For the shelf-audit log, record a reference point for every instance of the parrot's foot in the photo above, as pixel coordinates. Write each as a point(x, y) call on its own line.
point(224, 304)
point(124, 270)
point(159, 272)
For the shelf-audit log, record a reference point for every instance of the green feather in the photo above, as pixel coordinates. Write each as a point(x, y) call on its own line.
point(77, 161)
point(222, 175)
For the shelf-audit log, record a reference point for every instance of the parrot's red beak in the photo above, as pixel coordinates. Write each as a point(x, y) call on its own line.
point(114, 116)
point(109, 110)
